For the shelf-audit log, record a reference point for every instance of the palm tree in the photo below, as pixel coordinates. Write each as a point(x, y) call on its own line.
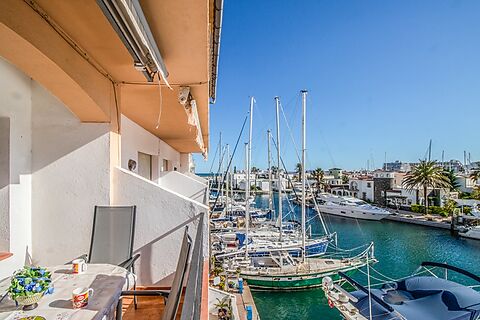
point(298, 170)
point(427, 174)
point(318, 175)
point(475, 175)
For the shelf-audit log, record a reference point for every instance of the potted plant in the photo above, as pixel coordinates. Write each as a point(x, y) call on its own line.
point(28, 285)
point(223, 307)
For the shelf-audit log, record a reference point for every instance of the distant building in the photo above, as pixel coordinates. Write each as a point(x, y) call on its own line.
point(455, 165)
point(397, 166)
point(382, 181)
point(466, 184)
point(337, 173)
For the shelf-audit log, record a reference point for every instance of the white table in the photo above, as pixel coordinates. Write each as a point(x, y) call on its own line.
point(106, 280)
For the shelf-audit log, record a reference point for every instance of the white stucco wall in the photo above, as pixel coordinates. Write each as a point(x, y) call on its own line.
point(184, 185)
point(15, 104)
point(135, 139)
point(59, 169)
point(70, 176)
point(198, 178)
point(362, 186)
point(159, 231)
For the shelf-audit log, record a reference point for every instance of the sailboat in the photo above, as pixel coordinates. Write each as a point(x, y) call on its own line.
point(280, 270)
point(253, 243)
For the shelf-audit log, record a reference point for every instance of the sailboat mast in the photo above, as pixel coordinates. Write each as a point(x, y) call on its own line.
point(279, 176)
point(304, 140)
point(248, 186)
point(231, 186)
point(227, 180)
point(247, 193)
point(220, 153)
point(270, 200)
point(430, 150)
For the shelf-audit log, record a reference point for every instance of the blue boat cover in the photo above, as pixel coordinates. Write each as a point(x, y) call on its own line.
point(422, 298)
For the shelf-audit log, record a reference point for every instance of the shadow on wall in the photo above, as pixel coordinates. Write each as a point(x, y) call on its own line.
point(56, 131)
point(4, 152)
point(146, 253)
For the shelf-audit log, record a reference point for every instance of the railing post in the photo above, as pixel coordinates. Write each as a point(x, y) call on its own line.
point(192, 301)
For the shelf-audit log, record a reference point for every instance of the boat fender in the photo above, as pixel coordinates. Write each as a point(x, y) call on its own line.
point(330, 303)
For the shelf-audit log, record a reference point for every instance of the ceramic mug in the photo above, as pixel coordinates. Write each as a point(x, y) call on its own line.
point(80, 297)
point(79, 266)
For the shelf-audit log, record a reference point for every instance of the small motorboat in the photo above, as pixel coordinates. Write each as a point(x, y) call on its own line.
point(423, 296)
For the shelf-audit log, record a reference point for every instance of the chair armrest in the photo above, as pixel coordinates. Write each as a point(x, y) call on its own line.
point(146, 293)
point(83, 256)
point(129, 263)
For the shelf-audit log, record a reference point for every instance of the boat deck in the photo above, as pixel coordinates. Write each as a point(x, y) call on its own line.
point(313, 265)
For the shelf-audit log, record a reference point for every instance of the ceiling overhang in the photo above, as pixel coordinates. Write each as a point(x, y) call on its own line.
point(181, 31)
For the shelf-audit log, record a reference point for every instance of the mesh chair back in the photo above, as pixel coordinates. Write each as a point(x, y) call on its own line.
point(112, 235)
point(175, 294)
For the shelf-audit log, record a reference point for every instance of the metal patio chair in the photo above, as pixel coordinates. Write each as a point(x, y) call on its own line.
point(173, 295)
point(112, 238)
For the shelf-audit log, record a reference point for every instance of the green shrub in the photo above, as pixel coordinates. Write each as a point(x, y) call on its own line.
point(418, 208)
point(467, 210)
point(438, 211)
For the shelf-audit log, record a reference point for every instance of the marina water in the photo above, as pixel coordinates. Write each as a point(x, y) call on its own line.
point(399, 247)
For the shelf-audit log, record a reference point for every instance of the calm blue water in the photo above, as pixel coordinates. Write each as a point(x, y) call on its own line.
point(400, 248)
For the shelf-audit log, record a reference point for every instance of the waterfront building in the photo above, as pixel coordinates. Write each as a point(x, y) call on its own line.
point(362, 187)
point(88, 119)
point(382, 182)
point(465, 183)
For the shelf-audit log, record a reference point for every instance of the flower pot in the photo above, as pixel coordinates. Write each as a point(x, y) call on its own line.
point(29, 302)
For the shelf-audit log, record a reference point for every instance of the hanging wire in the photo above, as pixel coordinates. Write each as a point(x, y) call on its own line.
point(230, 161)
point(160, 105)
point(214, 157)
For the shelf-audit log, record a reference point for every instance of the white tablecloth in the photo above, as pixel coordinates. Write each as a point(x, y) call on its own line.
point(106, 280)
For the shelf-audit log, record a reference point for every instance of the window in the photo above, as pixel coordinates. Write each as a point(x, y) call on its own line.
point(165, 165)
point(369, 184)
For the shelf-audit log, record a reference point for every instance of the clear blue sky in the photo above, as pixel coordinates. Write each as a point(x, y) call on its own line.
point(383, 76)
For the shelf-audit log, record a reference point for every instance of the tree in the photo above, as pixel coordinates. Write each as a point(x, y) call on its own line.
point(298, 170)
point(454, 185)
point(476, 193)
point(319, 177)
point(427, 174)
point(475, 175)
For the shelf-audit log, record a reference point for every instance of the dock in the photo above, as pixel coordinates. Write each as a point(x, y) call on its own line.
point(246, 299)
point(418, 219)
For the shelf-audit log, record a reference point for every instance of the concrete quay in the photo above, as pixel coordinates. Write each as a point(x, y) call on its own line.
point(419, 219)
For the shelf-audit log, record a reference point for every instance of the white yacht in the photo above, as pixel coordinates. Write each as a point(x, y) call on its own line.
point(349, 207)
point(471, 233)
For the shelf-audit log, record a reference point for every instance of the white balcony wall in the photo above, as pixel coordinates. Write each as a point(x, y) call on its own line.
point(58, 170)
point(71, 175)
point(15, 189)
point(135, 139)
point(197, 178)
point(184, 185)
point(161, 217)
